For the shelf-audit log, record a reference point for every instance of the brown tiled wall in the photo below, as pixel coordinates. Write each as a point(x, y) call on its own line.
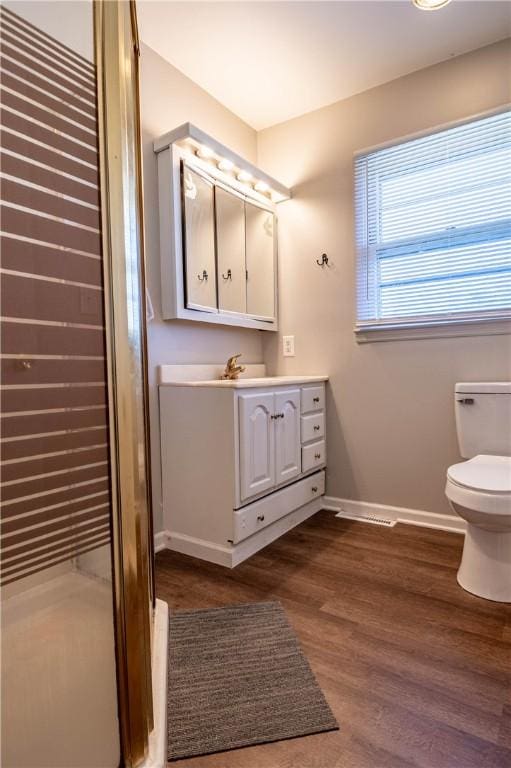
point(55, 480)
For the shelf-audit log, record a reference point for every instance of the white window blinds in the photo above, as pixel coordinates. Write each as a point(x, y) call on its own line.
point(433, 227)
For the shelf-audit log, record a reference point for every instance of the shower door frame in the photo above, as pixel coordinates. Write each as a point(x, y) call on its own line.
point(117, 53)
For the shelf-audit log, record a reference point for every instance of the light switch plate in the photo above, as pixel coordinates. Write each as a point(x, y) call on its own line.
point(288, 346)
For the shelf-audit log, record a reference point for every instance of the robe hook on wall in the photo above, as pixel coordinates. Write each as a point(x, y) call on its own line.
point(324, 260)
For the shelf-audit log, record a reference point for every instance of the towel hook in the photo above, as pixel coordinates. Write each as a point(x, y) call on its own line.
point(323, 262)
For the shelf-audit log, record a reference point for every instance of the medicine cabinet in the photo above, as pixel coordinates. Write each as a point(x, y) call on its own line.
point(218, 233)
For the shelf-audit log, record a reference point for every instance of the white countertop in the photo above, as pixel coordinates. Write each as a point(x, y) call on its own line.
point(259, 381)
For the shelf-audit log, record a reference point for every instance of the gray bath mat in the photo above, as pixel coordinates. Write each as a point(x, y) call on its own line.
point(237, 677)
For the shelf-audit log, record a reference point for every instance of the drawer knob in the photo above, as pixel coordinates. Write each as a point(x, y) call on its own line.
point(260, 518)
point(316, 427)
point(314, 489)
point(317, 455)
point(315, 399)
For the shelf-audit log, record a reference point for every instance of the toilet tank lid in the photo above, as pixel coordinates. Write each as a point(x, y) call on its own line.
point(485, 387)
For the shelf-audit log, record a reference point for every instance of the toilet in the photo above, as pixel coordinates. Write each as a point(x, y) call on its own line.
point(479, 489)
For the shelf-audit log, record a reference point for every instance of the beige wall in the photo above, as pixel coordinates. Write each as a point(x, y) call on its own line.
point(168, 99)
point(391, 432)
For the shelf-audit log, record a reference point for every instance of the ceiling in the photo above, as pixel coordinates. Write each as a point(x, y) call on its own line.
point(271, 61)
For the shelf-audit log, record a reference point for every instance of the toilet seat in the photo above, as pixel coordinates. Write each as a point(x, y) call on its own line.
point(482, 484)
point(488, 474)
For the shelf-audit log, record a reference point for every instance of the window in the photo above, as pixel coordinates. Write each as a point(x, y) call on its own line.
point(433, 228)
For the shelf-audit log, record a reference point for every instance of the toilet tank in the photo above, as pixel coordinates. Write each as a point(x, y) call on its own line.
point(483, 418)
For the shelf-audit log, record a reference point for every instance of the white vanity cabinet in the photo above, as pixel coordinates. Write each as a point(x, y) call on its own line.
point(269, 444)
point(242, 463)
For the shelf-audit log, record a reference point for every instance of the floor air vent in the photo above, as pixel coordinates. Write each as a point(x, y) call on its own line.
point(368, 519)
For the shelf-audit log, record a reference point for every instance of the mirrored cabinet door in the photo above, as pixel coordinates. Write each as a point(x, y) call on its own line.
point(230, 239)
point(260, 261)
point(199, 241)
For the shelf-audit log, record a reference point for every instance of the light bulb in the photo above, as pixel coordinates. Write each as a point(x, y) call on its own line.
point(205, 153)
point(430, 5)
point(244, 176)
point(225, 165)
point(261, 186)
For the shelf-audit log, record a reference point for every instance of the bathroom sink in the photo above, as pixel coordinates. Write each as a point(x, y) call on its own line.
point(241, 383)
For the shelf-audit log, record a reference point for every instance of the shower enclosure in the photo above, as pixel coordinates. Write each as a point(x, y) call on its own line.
point(76, 571)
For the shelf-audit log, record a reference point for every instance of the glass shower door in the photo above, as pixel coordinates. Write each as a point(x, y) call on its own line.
point(59, 688)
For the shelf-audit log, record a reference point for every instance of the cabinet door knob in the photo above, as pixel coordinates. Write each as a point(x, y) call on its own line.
point(260, 518)
point(315, 399)
point(228, 276)
point(316, 427)
point(314, 489)
point(204, 276)
point(317, 455)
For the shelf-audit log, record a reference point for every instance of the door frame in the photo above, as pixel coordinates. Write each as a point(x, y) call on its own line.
point(117, 67)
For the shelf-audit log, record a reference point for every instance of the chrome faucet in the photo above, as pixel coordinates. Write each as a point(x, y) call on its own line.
point(232, 371)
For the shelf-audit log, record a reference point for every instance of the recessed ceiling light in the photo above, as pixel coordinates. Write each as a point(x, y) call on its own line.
point(430, 5)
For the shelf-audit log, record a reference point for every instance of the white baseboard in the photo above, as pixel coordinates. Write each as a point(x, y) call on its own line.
point(160, 541)
point(231, 555)
point(204, 550)
point(354, 510)
point(157, 748)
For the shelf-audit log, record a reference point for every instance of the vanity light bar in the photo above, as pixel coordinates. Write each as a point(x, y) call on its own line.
point(220, 162)
point(225, 165)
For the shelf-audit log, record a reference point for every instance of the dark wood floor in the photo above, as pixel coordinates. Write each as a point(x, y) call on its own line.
point(417, 671)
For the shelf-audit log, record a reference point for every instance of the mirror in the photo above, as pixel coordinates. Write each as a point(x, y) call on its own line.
point(229, 251)
point(199, 240)
point(230, 241)
point(260, 261)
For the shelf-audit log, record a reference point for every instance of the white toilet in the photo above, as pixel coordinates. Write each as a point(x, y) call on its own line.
point(479, 489)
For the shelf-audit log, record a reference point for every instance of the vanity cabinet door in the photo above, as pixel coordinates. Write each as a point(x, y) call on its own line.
point(230, 243)
point(260, 262)
point(288, 459)
point(257, 444)
point(199, 241)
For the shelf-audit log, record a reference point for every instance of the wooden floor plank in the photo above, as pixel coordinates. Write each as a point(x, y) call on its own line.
point(417, 671)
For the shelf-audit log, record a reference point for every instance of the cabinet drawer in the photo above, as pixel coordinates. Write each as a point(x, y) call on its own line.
point(264, 512)
point(312, 427)
point(313, 398)
point(313, 455)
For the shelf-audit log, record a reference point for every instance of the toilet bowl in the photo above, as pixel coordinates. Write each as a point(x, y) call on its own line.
point(479, 490)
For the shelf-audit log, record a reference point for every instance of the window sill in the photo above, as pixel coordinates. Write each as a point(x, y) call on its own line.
point(440, 330)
